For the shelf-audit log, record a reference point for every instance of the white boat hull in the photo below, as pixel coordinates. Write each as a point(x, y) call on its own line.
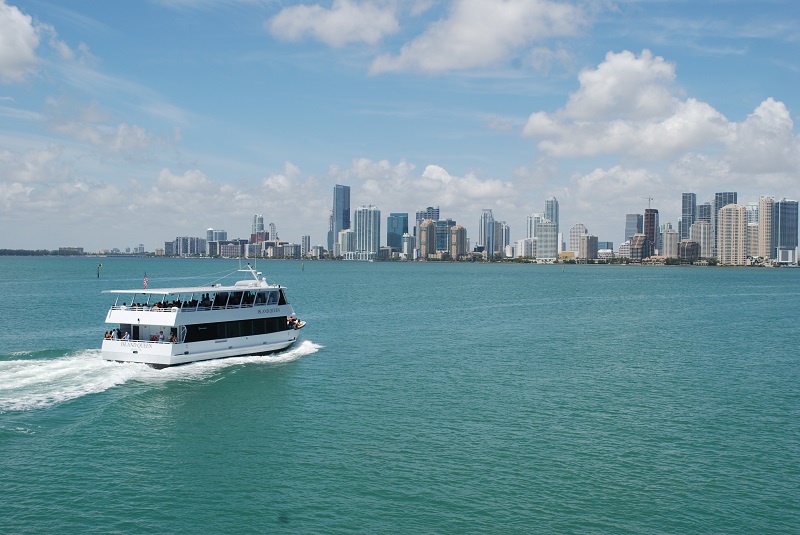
point(164, 354)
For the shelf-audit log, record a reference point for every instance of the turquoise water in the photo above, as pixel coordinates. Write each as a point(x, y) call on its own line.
point(422, 398)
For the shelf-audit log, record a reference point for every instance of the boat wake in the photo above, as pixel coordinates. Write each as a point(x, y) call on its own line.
point(28, 384)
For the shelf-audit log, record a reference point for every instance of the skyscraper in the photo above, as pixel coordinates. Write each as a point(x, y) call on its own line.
point(396, 226)
point(502, 236)
point(486, 230)
point(428, 213)
point(688, 214)
point(721, 199)
point(651, 229)
point(575, 233)
point(368, 232)
point(340, 215)
point(258, 224)
point(731, 235)
point(458, 242)
point(784, 231)
point(634, 224)
point(427, 239)
point(701, 234)
point(546, 240)
point(766, 249)
point(533, 222)
point(705, 212)
point(305, 245)
point(443, 227)
point(551, 211)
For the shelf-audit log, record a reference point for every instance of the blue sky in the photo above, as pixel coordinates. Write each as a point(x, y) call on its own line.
point(135, 122)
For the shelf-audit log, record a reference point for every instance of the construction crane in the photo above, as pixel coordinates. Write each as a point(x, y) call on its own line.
point(648, 201)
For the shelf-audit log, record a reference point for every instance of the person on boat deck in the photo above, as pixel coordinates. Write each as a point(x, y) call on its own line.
point(161, 336)
point(107, 336)
point(173, 339)
point(114, 334)
point(126, 336)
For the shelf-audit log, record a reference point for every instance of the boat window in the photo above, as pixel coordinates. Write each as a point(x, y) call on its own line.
point(273, 298)
point(283, 300)
point(261, 298)
point(232, 329)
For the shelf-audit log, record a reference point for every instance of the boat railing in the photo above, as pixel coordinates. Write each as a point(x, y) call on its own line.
point(185, 307)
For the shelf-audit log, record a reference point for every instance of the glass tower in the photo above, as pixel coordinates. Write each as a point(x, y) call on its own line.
point(634, 224)
point(396, 226)
point(784, 231)
point(688, 215)
point(551, 211)
point(340, 216)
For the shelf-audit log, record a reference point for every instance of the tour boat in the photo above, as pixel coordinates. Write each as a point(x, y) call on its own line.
point(169, 326)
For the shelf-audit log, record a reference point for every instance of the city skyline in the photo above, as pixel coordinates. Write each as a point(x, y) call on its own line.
point(112, 136)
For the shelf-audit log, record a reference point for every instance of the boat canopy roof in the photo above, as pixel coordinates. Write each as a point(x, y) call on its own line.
point(240, 286)
point(196, 289)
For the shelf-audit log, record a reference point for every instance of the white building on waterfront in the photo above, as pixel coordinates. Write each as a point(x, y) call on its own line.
point(367, 226)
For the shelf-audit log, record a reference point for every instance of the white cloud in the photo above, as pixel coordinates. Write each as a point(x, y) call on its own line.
point(624, 86)
point(347, 21)
point(480, 32)
point(628, 106)
point(18, 43)
point(190, 181)
point(765, 142)
point(34, 166)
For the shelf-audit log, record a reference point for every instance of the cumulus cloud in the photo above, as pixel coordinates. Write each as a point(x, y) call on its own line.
point(628, 105)
point(765, 142)
point(347, 21)
point(18, 43)
point(480, 32)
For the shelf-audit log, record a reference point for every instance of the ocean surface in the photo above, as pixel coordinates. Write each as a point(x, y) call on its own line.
point(421, 398)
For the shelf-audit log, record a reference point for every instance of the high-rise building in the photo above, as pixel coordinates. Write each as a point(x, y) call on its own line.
point(731, 235)
point(587, 247)
point(640, 247)
point(669, 240)
point(430, 212)
point(525, 248)
point(651, 229)
point(258, 224)
point(273, 232)
point(502, 236)
point(427, 239)
point(532, 222)
point(751, 244)
point(443, 227)
point(688, 214)
point(340, 215)
point(784, 231)
point(486, 230)
point(368, 232)
point(346, 243)
point(551, 211)
point(634, 224)
point(721, 199)
point(408, 246)
point(547, 240)
point(305, 245)
point(396, 226)
point(752, 212)
point(701, 234)
point(458, 242)
point(766, 248)
point(575, 233)
point(705, 212)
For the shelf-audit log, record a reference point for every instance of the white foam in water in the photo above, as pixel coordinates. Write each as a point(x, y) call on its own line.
point(35, 384)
